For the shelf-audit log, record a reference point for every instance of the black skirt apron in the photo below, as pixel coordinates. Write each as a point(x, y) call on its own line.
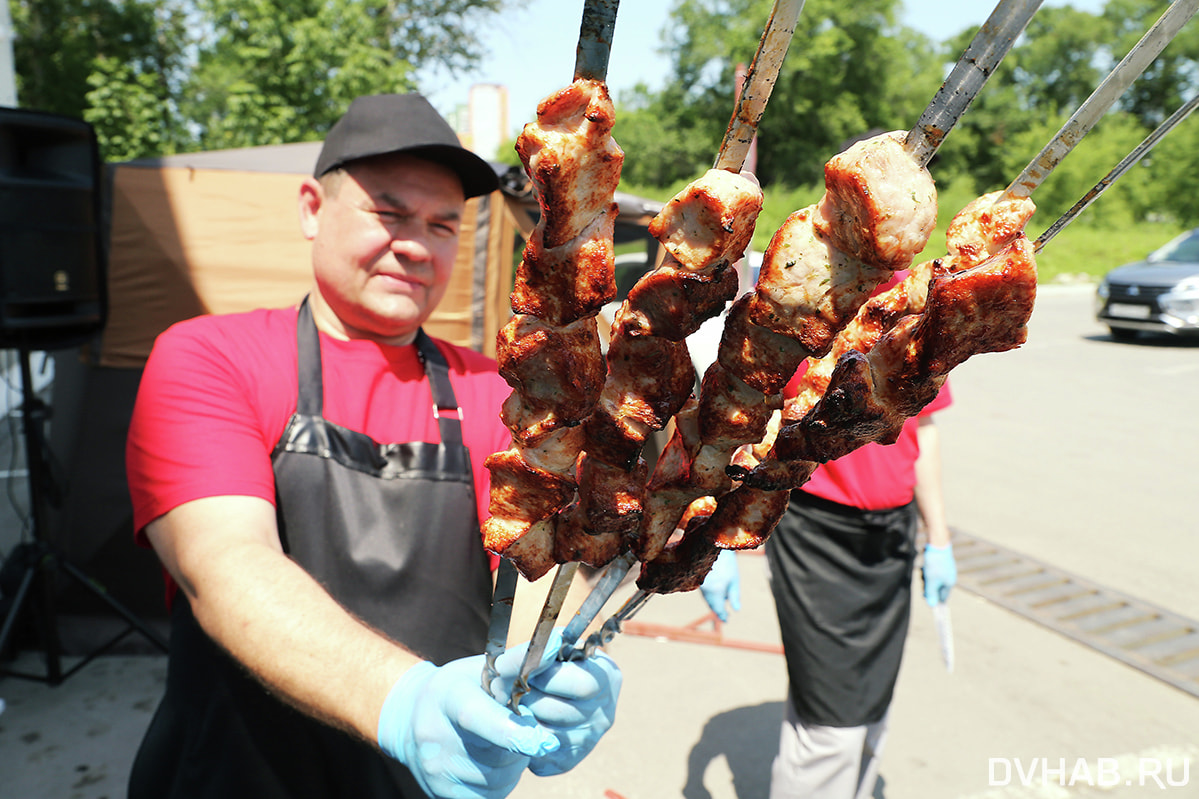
point(390, 530)
point(841, 579)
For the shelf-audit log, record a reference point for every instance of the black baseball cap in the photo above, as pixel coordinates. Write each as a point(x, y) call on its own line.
point(381, 124)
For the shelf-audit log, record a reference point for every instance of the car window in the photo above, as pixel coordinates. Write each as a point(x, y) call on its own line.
point(1185, 248)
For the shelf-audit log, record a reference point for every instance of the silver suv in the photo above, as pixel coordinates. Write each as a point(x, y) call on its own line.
point(1159, 294)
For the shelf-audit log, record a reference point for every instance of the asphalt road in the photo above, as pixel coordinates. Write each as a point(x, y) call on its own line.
point(1082, 452)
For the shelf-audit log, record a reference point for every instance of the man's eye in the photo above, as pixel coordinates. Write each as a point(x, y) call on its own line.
point(444, 231)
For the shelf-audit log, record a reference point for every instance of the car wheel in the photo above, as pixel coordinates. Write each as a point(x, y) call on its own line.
point(1122, 334)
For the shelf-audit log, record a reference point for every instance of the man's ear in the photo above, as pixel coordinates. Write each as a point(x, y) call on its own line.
point(312, 196)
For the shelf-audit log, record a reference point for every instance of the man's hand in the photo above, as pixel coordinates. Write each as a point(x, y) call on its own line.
point(458, 741)
point(722, 587)
point(940, 573)
point(574, 700)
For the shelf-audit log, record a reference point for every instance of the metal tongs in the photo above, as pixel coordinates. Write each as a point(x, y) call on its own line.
point(992, 42)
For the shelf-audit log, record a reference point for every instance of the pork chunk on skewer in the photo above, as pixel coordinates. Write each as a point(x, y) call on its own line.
point(981, 309)
point(984, 308)
point(550, 351)
point(977, 232)
point(815, 276)
point(981, 230)
point(704, 229)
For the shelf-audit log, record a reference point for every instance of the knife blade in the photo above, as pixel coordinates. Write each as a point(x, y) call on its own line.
point(944, 633)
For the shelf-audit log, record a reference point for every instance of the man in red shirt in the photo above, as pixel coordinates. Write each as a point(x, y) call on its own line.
point(312, 480)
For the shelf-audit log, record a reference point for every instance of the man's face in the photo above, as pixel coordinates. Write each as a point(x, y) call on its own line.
point(384, 239)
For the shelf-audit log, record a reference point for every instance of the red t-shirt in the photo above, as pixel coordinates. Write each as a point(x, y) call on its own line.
point(874, 476)
point(217, 392)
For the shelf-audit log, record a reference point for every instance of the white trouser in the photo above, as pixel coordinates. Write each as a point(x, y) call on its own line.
point(818, 762)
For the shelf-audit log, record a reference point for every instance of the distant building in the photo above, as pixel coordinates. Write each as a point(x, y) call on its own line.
point(483, 123)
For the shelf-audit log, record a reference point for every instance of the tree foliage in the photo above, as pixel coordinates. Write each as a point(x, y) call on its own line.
point(849, 69)
point(161, 76)
point(58, 43)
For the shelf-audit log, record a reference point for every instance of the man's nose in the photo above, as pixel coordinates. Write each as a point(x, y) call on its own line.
point(411, 245)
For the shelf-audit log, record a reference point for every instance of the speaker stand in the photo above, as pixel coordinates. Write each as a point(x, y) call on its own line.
point(40, 563)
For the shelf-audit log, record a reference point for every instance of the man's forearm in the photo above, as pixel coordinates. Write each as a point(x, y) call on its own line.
point(277, 621)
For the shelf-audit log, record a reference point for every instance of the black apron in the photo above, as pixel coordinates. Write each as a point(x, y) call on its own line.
point(841, 579)
point(390, 530)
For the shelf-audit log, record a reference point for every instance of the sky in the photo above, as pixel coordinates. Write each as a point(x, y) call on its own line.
point(532, 51)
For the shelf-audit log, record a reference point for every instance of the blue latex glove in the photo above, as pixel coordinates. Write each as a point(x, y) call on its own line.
point(575, 700)
point(940, 573)
point(457, 740)
point(723, 585)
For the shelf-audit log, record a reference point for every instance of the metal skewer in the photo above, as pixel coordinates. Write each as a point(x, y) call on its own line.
point(609, 630)
point(502, 599)
point(595, 39)
point(1103, 185)
point(759, 83)
point(992, 42)
point(591, 63)
point(611, 580)
point(1095, 106)
point(542, 631)
point(743, 126)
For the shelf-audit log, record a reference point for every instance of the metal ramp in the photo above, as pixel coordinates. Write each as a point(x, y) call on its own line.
point(1146, 637)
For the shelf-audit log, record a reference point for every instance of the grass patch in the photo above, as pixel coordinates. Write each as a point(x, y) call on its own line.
point(1083, 252)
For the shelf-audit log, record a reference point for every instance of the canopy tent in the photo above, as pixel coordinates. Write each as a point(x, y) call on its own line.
point(218, 232)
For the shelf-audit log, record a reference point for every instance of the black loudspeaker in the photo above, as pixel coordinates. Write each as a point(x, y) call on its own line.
point(53, 267)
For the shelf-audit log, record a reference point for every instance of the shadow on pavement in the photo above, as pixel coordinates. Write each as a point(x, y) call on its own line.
point(1149, 339)
point(748, 739)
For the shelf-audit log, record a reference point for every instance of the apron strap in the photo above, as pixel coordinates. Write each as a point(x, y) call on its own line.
point(310, 400)
point(445, 404)
point(310, 397)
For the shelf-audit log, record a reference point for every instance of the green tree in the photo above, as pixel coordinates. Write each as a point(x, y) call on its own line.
point(1171, 78)
point(127, 109)
point(850, 69)
point(276, 71)
point(1113, 138)
point(157, 76)
point(1053, 67)
point(662, 142)
point(1057, 63)
point(1168, 188)
point(57, 44)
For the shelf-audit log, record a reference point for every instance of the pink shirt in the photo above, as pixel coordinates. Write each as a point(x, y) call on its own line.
point(874, 476)
point(218, 390)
